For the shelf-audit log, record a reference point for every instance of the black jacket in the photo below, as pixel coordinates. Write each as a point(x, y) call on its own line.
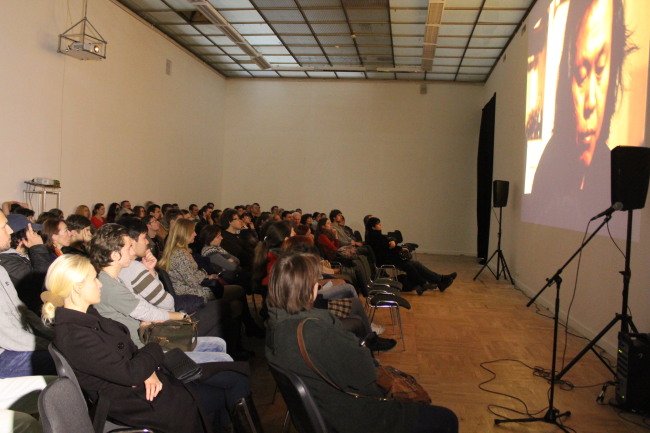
point(111, 371)
point(28, 275)
point(379, 244)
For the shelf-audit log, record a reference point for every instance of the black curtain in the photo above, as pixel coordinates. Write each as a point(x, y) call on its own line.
point(484, 178)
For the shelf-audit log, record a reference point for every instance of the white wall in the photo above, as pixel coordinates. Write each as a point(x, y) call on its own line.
point(535, 252)
point(362, 147)
point(110, 130)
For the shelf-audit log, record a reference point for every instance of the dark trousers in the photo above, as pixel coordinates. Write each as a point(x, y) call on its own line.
point(219, 394)
point(417, 273)
point(436, 419)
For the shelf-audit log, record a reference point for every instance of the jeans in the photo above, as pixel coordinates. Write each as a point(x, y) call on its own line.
point(330, 291)
point(219, 394)
point(36, 363)
point(209, 349)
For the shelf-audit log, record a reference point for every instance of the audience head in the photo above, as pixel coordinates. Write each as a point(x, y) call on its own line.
point(154, 210)
point(82, 209)
point(230, 220)
point(293, 282)
point(165, 207)
point(113, 209)
point(210, 205)
point(5, 233)
point(139, 212)
point(137, 231)
point(27, 213)
point(79, 227)
point(295, 218)
point(125, 204)
point(172, 215)
point(71, 281)
point(373, 223)
point(111, 245)
point(210, 236)
point(334, 213)
point(302, 244)
point(194, 210)
point(44, 216)
point(276, 233)
point(180, 236)
point(55, 234)
point(286, 215)
point(306, 219)
point(303, 230)
point(324, 226)
point(99, 210)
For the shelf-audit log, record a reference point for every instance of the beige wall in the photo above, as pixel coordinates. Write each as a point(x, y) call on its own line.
point(535, 252)
point(363, 147)
point(106, 129)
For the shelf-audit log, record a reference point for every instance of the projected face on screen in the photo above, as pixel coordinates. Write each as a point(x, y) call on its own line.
point(590, 76)
point(581, 59)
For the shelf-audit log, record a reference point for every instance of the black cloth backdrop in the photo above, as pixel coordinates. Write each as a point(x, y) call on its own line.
point(484, 179)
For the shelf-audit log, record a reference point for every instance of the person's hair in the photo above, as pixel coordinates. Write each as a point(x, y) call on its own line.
point(304, 244)
point(302, 229)
point(372, 222)
point(321, 230)
point(334, 213)
point(210, 205)
point(80, 209)
point(96, 208)
point(291, 282)
point(63, 274)
point(50, 228)
point(177, 239)
point(152, 208)
point(13, 207)
point(621, 47)
point(77, 222)
point(172, 214)
point(23, 211)
point(315, 215)
point(56, 212)
point(136, 210)
point(248, 239)
point(203, 210)
point(284, 214)
point(124, 201)
point(112, 212)
point(366, 218)
point(148, 218)
point(304, 218)
point(226, 217)
point(108, 238)
point(208, 233)
point(275, 234)
point(192, 206)
point(44, 216)
point(134, 226)
point(165, 207)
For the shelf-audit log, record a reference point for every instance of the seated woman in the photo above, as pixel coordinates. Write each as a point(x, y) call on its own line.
point(387, 252)
point(82, 210)
point(187, 278)
point(98, 218)
point(337, 354)
point(56, 237)
point(327, 238)
point(123, 382)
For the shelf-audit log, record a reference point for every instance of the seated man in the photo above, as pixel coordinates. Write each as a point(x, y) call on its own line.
point(22, 352)
point(80, 235)
point(155, 244)
point(26, 261)
point(154, 210)
point(231, 224)
point(142, 279)
point(112, 250)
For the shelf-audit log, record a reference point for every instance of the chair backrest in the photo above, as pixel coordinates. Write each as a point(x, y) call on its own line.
point(163, 276)
point(63, 368)
point(303, 409)
point(63, 409)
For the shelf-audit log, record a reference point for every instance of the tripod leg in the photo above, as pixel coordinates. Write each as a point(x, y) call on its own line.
point(486, 266)
point(589, 346)
point(506, 269)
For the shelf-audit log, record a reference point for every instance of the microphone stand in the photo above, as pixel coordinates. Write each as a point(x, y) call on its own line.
point(553, 415)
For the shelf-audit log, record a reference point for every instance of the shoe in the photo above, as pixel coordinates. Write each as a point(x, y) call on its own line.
point(382, 344)
point(419, 289)
point(446, 281)
point(377, 328)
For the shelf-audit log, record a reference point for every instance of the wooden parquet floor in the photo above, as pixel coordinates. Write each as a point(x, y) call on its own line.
point(448, 335)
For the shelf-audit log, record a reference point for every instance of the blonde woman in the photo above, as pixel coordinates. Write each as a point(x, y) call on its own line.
point(126, 383)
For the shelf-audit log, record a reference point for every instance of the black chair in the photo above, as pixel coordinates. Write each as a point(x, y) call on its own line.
point(163, 276)
point(63, 407)
point(304, 412)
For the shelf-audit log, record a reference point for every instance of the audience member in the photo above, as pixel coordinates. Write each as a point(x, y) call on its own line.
point(327, 238)
point(55, 235)
point(231, 225)
point(80, 235)
point(83, 210)
point(98, 215)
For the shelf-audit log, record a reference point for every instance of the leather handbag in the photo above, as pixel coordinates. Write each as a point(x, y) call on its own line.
point(181, 366)
point(171, 334)
point(401, 386)
point(398, 385)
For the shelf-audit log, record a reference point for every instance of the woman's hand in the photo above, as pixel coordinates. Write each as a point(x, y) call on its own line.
point(152, 386)
point(391, 244)
point(213, 277)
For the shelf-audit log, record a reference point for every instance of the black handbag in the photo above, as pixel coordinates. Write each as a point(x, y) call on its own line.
point(181, 366)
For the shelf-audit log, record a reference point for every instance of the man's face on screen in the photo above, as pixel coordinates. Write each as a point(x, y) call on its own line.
point(591, 70)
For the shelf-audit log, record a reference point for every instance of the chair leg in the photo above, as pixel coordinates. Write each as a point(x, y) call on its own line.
point(401, 330)
point(285, 424)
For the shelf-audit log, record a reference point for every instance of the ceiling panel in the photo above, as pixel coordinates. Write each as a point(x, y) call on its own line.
point(341, 34)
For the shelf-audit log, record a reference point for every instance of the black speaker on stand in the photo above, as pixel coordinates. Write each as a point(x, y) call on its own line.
point(499, 199)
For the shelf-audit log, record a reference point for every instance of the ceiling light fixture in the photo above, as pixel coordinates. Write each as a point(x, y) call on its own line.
point(231, 33)
point(82, 41)
point(434, 18)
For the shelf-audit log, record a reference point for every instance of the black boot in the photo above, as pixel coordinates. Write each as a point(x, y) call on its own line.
point(245, 418)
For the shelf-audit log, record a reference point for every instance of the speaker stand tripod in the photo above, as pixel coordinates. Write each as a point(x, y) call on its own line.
point(624, 317)
point(502, 266)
